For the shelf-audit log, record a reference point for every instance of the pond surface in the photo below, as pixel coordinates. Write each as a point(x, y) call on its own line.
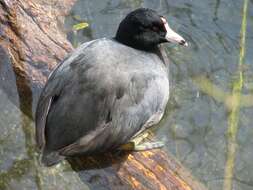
point(196, 122)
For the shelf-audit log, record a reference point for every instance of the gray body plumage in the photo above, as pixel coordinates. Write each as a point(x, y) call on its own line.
point(98, 98)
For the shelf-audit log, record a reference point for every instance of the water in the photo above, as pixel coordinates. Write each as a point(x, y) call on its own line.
point(195, 125)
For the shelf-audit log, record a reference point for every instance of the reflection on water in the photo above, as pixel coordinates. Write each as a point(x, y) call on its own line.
point(196, 123)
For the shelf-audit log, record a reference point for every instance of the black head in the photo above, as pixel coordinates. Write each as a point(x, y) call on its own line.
point(144, 29)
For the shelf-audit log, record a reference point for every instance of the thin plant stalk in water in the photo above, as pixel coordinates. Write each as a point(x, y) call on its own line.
point(233, 118)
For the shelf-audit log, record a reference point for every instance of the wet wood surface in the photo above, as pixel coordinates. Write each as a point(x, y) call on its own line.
point(32, 36)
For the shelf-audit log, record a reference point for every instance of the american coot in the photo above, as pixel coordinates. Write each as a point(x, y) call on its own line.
point(107, 92)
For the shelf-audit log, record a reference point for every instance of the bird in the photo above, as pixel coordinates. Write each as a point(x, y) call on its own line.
point(107, 92)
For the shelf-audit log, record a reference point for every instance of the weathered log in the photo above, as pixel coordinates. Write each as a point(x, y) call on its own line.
point(31, 36)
